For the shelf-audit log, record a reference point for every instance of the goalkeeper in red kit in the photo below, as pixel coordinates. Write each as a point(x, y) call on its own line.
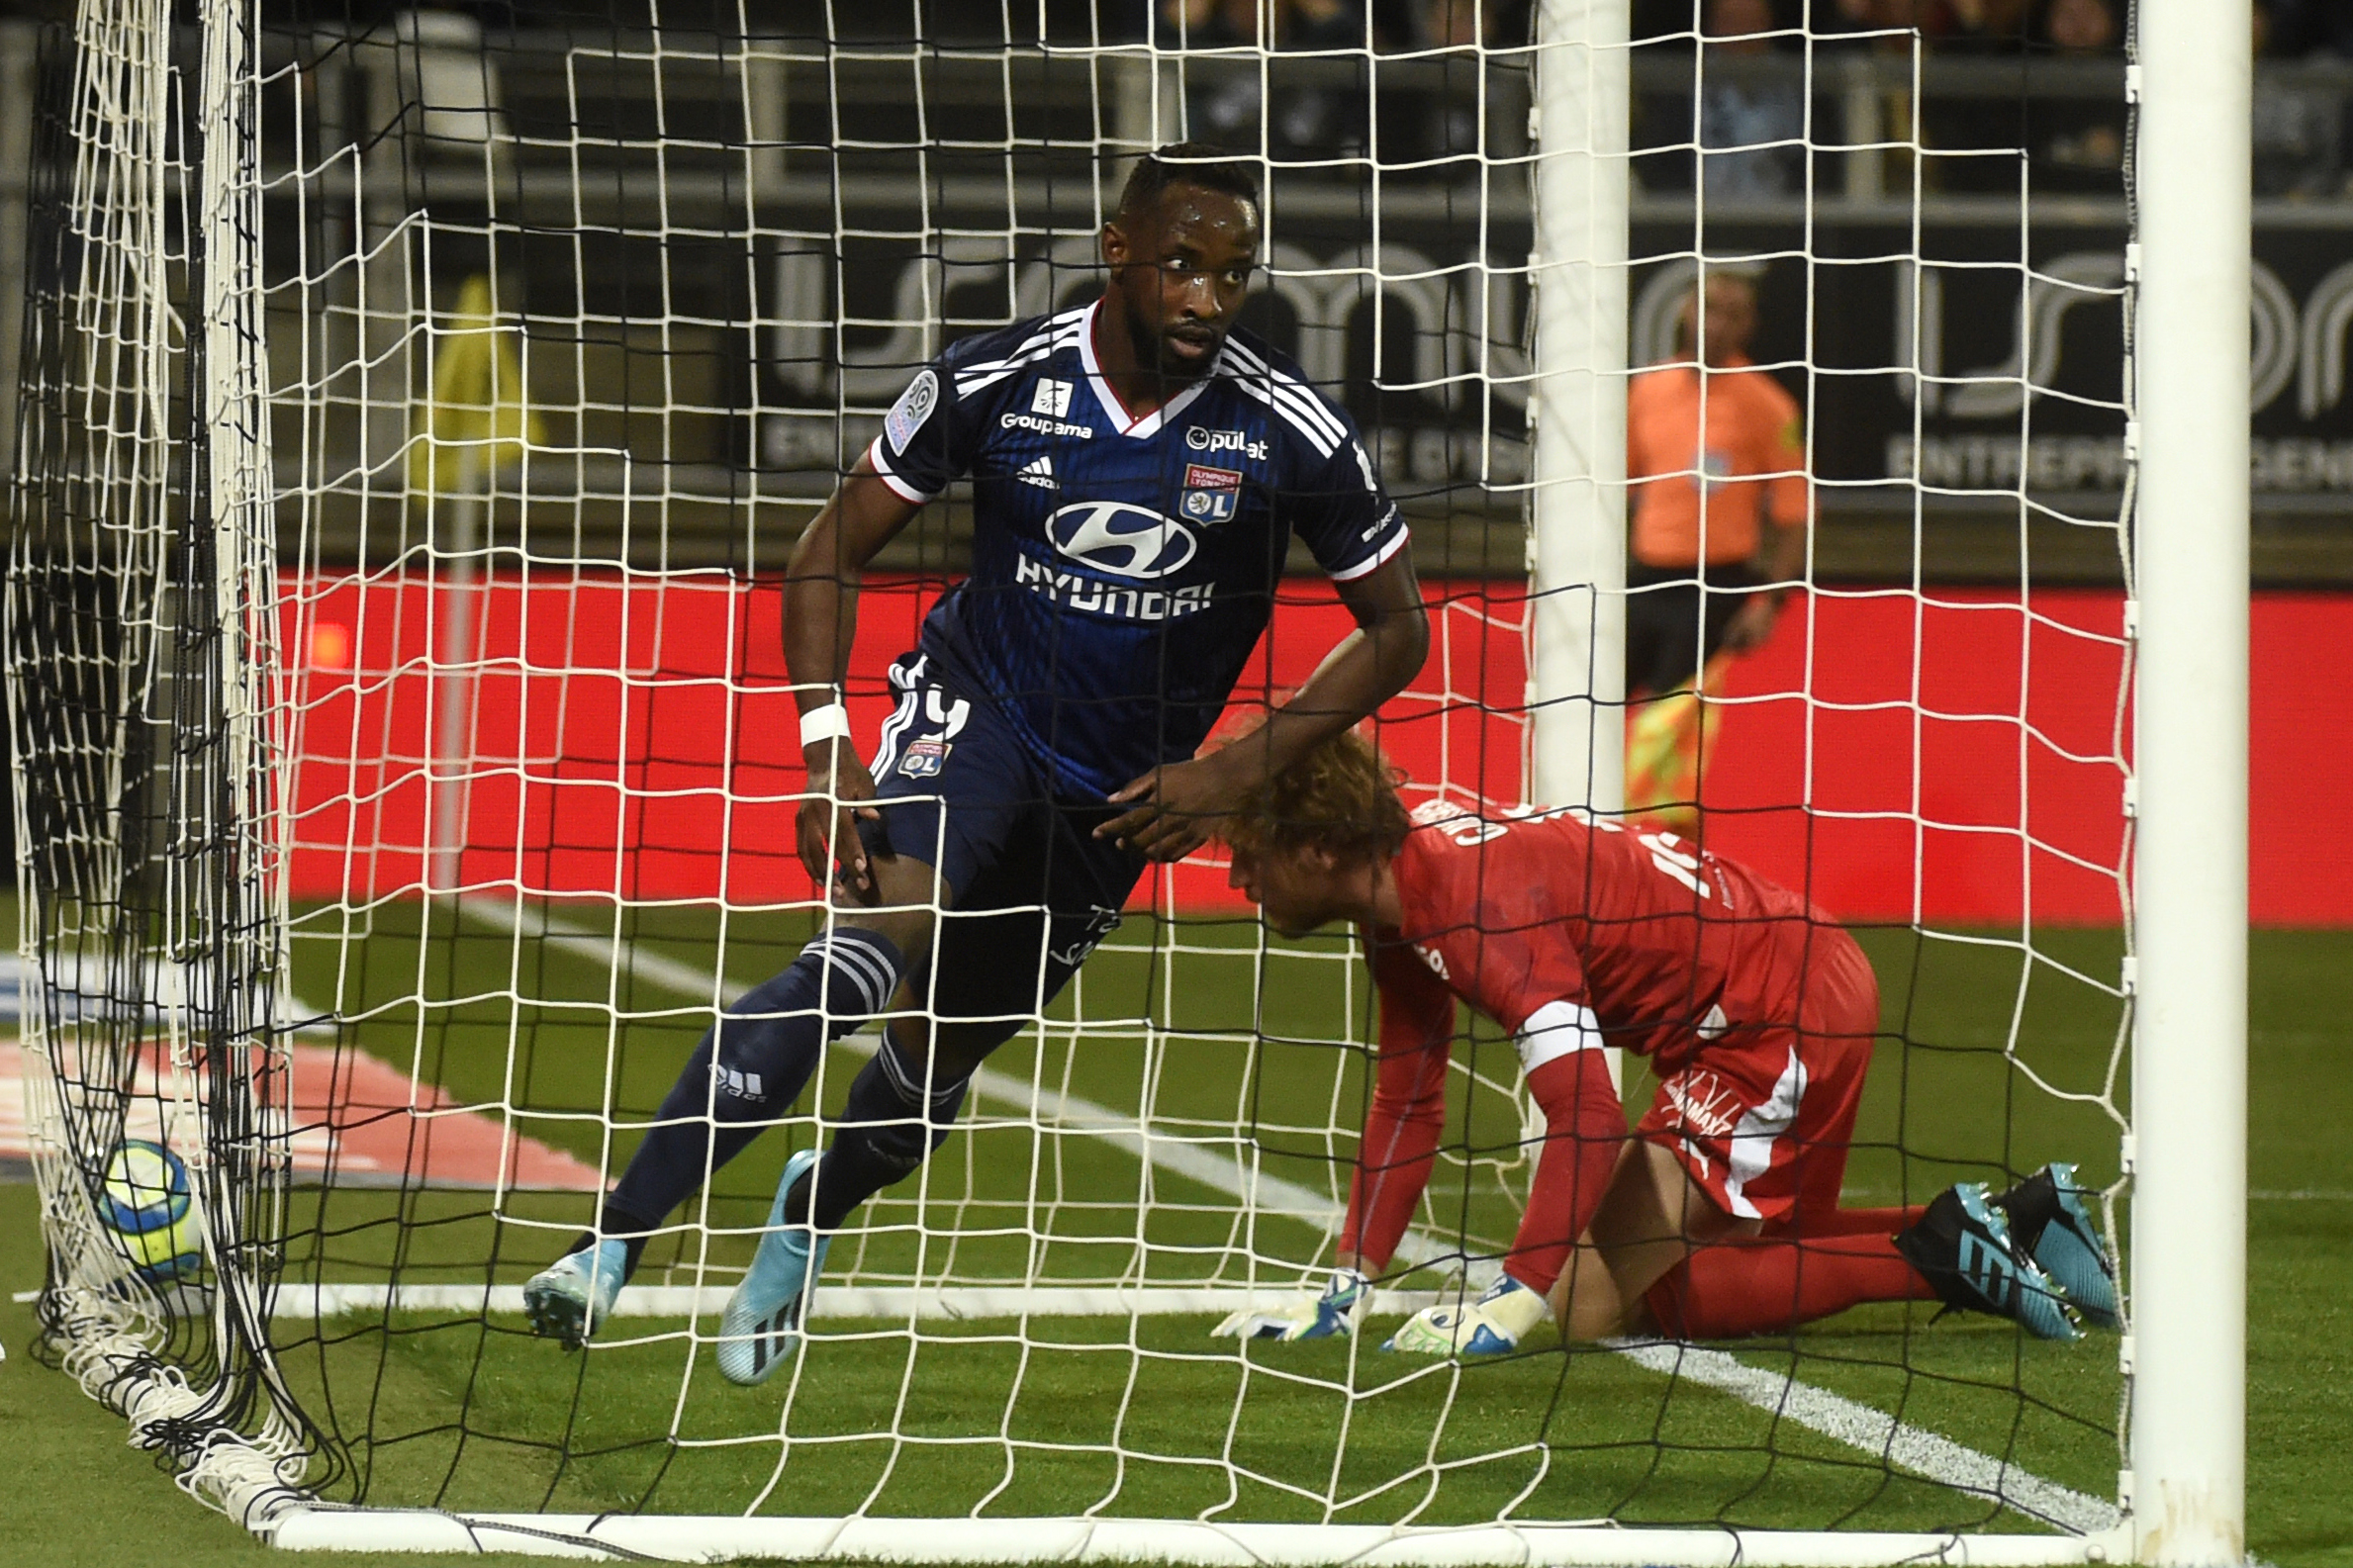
point(1719, 1216)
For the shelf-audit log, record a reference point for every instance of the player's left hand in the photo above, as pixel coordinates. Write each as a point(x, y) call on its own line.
point(1176, 807)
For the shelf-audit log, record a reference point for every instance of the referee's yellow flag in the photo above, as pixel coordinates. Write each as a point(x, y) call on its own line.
point(477, 418)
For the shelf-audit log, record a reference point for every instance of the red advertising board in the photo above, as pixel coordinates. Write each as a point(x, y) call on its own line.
point(1949, 758)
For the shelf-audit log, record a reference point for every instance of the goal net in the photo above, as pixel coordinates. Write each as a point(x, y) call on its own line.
point(416, 413)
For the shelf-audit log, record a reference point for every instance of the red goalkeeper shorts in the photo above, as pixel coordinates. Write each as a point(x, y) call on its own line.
point(1761, 1114)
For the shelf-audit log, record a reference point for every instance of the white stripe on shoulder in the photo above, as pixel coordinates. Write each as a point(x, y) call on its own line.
point(1055, 329)
point(1291, 388)
point(1258, 389)
point(1039, 336)
point(970, 382)
point(967, 385)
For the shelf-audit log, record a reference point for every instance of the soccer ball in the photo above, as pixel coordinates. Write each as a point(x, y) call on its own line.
point(145, 1204)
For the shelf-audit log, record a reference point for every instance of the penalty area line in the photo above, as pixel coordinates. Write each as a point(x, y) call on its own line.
point(1927, 1454)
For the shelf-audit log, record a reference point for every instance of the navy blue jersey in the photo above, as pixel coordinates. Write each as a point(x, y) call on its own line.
point(1123, 568)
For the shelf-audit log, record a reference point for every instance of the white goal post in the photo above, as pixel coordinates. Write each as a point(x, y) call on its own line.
point(199, 1373)
point(2188, 1487)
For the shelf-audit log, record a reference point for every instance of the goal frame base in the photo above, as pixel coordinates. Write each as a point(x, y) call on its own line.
point(714, 1539)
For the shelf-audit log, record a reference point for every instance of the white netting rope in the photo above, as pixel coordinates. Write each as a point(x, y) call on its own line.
point(663, 416)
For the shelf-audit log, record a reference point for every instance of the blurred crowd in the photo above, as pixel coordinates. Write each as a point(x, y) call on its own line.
point(1741, 133)
point(2283, 29)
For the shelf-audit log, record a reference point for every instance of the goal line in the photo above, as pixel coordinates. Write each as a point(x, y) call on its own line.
point(673, 1538)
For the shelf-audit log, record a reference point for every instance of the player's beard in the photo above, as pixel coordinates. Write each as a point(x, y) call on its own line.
point(1152, 345)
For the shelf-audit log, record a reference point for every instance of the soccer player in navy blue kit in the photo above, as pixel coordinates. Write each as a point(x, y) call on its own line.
point(1138, 470)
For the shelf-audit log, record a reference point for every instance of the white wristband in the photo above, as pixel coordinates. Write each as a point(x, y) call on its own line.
point(820, 724)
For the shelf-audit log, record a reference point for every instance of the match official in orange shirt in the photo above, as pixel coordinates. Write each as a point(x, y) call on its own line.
point(1719, 525)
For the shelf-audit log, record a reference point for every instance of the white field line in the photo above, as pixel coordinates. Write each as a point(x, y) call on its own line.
point(1859, 1426)
point(1227, 1172)
point(900, 1303)
point(1876, 1432)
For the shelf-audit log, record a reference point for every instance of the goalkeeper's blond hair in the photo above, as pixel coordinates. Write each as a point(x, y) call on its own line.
point(1340, 798)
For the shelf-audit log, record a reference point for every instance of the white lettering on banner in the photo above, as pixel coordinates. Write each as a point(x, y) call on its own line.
point(2299, 465)
point(1073, 591)
point(2290, 465)
point(1991, 462)
point(1043, 425)
point(1201, 440)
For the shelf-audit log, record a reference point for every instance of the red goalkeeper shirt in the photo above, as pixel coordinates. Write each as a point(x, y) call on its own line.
point(1547, 923)
point(1669, 946)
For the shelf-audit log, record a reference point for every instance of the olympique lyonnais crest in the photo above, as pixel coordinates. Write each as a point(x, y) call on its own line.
point(1209, 493)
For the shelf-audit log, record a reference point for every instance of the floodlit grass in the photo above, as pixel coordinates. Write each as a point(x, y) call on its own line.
point(1037, 1418)
point(1034, 1416)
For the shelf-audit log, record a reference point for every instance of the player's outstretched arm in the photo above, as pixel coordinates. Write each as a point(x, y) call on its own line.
point(821, 584)
point(1407, 1118)
point(1178, 807)
point(1394, 1155)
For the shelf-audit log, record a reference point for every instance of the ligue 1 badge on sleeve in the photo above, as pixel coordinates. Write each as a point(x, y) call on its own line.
point(908, 414)
point(1209, 493)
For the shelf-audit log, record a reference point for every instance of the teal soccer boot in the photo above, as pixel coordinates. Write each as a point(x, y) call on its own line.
point(761, 1327)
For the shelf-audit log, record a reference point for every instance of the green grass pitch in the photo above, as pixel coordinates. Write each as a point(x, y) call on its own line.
point(441, 1408)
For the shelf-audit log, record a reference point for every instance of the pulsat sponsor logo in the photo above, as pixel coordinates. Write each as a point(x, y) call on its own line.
point(1126, 541)
point(1201, 440)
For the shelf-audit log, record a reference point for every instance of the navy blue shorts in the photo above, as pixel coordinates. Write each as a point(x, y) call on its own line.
point(1033, 890)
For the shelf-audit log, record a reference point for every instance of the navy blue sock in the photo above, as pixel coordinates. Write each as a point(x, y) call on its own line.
point(749, 1069)
point(889, 1127)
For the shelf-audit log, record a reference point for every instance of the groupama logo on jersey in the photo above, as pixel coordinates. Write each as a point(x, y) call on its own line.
point(1126, 541)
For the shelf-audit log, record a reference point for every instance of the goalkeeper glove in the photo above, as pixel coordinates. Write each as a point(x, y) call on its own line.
point(1493, 1325)
point(1337, 1310)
